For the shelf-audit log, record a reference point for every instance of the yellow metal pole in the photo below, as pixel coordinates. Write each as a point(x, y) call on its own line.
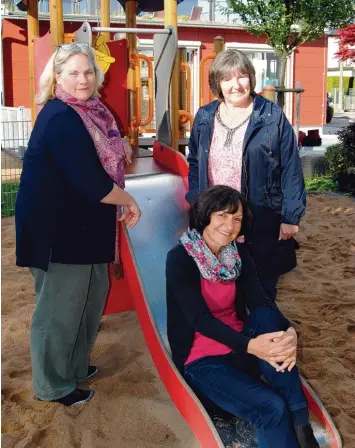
point(105, 17)
point(170, 18)
point(131, 12)
point(32, 33)
point(56, 23)
point(182, 88)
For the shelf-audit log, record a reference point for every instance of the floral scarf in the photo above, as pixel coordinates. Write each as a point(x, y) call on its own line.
point(103, 130)
point(211, 268)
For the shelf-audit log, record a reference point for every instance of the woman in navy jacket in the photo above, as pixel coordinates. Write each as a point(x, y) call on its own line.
point(66, 220)
point(245, 141)
point(219, 348)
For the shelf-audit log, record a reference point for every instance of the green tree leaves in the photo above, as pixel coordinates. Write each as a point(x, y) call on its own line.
point(287, 24)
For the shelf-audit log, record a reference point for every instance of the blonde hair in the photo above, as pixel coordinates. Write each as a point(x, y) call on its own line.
point(55, 66)
point(225, 64)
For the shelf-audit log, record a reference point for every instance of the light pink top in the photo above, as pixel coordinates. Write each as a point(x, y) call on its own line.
point(225, 163)
point(220, 299)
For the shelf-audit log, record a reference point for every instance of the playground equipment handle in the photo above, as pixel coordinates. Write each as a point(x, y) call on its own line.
point(136, 119)
point(184, 67)
point(202, 72)
point(148, 60)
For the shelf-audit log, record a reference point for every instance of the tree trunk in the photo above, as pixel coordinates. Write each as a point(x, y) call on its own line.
point(282, 76)
point(283, 64)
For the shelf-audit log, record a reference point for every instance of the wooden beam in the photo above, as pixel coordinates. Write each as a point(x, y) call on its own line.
point(32, 33)
point(105, 17)
point(56, 23)
point(170, 18)
point(182, 53)
point(131, 22)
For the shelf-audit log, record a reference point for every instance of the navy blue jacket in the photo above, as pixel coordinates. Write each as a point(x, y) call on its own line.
point(272, 179)
point(187, 311)
point(58, 214)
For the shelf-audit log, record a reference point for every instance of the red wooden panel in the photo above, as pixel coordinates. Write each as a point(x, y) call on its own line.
point(43, 51)
point(114, 93)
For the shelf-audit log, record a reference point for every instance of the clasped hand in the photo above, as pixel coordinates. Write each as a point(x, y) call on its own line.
point(279, 349)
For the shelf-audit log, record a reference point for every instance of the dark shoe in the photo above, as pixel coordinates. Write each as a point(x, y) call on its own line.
point(306, 437)
point(78, 396)
point(92, 371)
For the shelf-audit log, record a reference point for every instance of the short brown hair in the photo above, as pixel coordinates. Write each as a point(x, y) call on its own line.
point(225, 64)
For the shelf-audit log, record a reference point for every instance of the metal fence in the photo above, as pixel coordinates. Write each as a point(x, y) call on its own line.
point(348, 100)
point(16, 130)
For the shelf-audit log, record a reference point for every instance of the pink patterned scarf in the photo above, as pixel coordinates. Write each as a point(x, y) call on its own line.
point(103, 130)
point(226, 269)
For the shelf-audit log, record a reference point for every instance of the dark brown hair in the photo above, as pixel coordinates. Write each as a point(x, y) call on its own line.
point(216, 199)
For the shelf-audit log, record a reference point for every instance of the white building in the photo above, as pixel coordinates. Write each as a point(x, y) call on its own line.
point(213, 11)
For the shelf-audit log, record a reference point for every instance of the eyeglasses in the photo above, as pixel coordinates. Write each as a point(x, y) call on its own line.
point(71, 46)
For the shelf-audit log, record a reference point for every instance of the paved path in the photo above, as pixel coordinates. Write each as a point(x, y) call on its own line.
point(339, 121)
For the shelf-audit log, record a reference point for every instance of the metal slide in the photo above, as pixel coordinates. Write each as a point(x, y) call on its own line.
point(160, 194)
point(162, 223)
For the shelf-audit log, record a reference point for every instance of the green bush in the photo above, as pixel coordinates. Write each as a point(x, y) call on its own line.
point(342, 160)
point(8, 198)
point(320, 183)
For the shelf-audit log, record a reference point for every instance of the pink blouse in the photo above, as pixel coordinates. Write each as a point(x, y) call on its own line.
point(220, 299)
point(225, 161)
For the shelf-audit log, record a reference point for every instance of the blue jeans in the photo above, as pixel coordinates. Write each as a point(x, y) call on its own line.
point(233, 383)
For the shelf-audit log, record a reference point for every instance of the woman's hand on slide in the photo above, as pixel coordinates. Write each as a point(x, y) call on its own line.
point(286, 350)
point(131, 214)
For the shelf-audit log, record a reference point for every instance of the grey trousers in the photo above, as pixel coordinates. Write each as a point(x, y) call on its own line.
point(69, 303)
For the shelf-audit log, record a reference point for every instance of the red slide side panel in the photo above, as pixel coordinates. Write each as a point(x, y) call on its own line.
point(120, 295)
point(171, 159)
point(180, 394)
point(316, 408)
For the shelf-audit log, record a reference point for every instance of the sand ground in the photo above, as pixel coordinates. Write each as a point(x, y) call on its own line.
point(131, 407)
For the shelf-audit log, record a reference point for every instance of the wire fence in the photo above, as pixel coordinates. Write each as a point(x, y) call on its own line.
point(14, 139)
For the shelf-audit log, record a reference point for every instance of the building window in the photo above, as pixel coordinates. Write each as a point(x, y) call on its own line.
point(266, 67)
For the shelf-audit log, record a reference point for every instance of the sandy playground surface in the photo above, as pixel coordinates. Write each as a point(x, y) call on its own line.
point(131, 408)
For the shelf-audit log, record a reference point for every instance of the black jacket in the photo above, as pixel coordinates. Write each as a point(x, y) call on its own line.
point(272, 178)
point(58, 213)
point(187, 311)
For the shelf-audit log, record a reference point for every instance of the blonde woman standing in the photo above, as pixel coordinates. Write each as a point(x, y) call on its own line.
point(71, 186)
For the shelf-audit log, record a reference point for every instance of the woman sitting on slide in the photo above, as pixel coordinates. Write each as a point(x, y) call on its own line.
point(225, 332)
